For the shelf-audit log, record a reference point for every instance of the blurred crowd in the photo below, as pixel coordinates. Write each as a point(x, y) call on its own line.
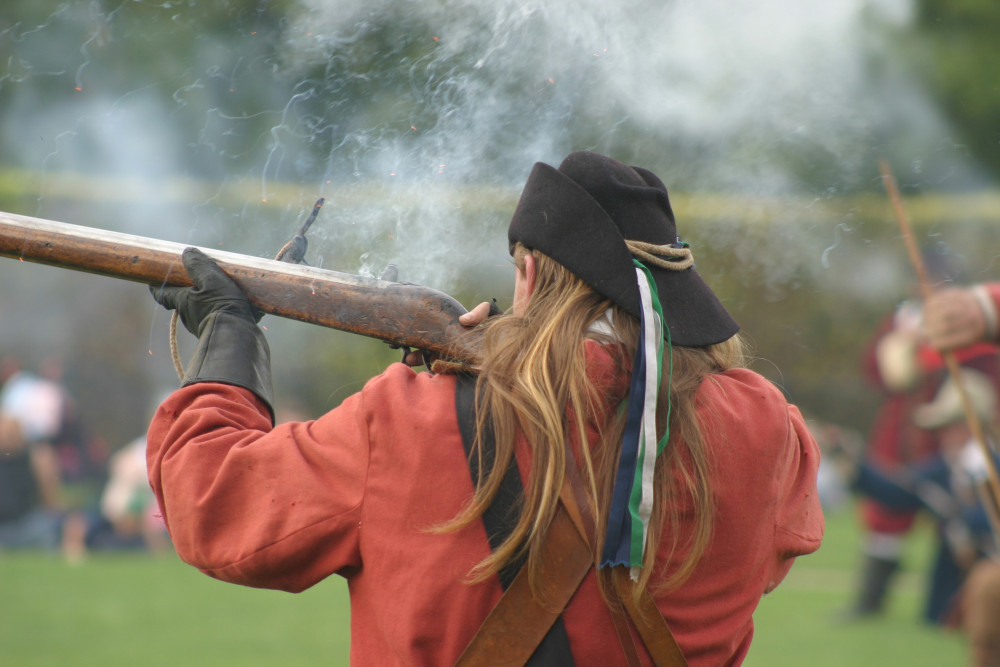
point(63, 489)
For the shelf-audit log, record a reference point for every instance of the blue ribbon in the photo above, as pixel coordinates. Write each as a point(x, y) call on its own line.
point(618, 536)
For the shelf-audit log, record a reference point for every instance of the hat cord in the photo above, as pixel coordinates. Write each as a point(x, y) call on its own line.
point(670, 256)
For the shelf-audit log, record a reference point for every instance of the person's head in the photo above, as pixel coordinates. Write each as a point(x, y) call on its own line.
point(573, 237)
point(594, 215)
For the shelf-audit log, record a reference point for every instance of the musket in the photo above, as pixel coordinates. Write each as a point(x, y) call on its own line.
point(401, 314)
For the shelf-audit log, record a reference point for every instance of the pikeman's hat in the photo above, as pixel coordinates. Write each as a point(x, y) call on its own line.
point(593, 215)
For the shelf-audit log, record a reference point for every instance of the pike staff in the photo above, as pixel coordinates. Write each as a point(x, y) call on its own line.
point(993, 478)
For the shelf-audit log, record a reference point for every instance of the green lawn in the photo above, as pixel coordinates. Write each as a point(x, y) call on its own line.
point(801, 624)
point(138, 610)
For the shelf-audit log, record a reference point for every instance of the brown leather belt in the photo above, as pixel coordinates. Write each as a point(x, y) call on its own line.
point(520, 620)
point(516, 626)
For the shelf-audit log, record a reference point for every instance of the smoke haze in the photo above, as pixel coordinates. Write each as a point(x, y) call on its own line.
point(221, 123)
point(420, 120)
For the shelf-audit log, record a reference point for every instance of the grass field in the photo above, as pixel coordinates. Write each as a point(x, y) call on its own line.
point(800, 623)
point(117, 610)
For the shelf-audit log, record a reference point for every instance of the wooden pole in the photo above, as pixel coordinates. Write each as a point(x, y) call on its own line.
point(950, 360)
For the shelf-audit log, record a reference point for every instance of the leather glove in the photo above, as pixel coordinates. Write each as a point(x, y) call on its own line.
point(231, 348)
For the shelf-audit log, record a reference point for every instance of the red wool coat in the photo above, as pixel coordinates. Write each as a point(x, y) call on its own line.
point(356, 491)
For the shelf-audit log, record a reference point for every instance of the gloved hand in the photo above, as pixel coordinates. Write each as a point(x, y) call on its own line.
point(231, 348)
point(213, 291)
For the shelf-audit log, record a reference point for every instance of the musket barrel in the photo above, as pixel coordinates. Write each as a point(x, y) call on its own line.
point(399, 313)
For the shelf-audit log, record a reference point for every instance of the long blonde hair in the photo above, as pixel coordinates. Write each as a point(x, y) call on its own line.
point(534, 383)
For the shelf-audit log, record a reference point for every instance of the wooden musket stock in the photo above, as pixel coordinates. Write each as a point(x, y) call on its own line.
point(398, 313)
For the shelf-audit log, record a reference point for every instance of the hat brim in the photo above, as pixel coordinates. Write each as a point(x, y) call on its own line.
point(560, 218)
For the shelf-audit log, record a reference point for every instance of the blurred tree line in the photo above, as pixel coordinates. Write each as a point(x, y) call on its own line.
point(959, 58)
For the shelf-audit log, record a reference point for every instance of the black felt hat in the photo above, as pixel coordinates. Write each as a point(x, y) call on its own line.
point(581, 214)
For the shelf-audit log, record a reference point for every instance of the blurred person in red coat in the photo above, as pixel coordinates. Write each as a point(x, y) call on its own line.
point(901, 363)
point(954, 320)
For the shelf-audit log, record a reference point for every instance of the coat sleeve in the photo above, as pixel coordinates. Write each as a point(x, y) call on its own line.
point(799, 521)
point(245, 503)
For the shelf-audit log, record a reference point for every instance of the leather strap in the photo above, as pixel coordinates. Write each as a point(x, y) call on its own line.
point(578, 506)
point(620, 619)
point(652, 627)
point(552, 649)
point(520, 621)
